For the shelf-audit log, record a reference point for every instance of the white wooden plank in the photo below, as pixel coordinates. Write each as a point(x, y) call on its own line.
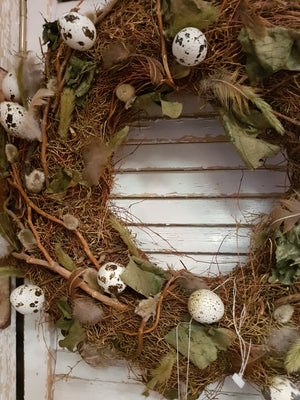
point(191, 211)
point(39, 357)
point(184, 156)
point(8, 361)
point(200, 264)
point(192, 239)
point(9, 28)
point(200, 184)
point(188, 130)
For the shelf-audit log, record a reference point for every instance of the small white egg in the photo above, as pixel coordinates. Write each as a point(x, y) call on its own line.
point(10, 87)
point(27, 298)
point(77, 31)
point(189, 46)
point(109, 279)
point(205, 306)
point(281, 388)
point(12, 117)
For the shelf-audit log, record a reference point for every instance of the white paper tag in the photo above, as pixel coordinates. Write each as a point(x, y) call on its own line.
point(238, 380)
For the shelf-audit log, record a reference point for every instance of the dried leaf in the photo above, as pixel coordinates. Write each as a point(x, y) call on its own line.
point(252, 150)
point(147, 307)
point(125, 236)
point(11, 271)
point(163, 371)
point(179, 14)
point(90, 278)
point(292, 359)
point(67, 105)
point(79, 77)
point(51, 35)
point(156, 71)
point(144, 280)
point(201, 342)
point(288, 214)
point(60, 181)
point(63, 258)
point(7, 231)
point(171, 109)
point(117, 139)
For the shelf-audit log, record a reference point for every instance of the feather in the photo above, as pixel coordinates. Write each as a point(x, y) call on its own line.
point(2, 75)
point(97, 356)
point(29, 70)
point(163, 371)
point(39, 99)
point(87, 311)
point(95, 157)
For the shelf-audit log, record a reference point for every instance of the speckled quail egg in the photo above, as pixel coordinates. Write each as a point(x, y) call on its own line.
point(189, 46)
point(27, 298)
point(10, 87)
point(205, 306)
point(12, 117)
point(77, 31)
point(281, 388)
point(109, 278)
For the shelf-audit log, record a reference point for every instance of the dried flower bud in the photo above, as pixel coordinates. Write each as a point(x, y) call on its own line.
point(70, 222)
point(27, 239)
point(12, 153)
point(126, 93)
point(35, 181)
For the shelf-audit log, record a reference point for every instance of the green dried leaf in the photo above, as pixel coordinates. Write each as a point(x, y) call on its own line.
point(292, 359)
point(64, 307)
point(10, 271)
point(163, 371)
point(90, 278)
point(144, 281)
point(171, 109)
point(7, 231)
point(76, 334)
point(251, 149)
point(117, 139)
point(60, 181)
point(63, 258)
point(51, 34)
point(277, 49)
point(178, 14)
point(287, 255)
point(67, 105)
point(204, 342)
point(125, 236)
point(79, 76)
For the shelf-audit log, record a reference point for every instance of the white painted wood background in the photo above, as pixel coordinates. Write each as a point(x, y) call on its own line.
point(186, 183)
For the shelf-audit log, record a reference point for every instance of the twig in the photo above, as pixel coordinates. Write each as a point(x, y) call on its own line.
point(103, 13)
point(61, 77)
point(291, 120)
point(140, 338)
point(56, 220)
point(55, 267)
point(292, 298)
point(169, 79)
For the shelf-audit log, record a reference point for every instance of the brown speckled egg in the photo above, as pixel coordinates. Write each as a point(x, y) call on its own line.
point(109, 278)
point(27, 298)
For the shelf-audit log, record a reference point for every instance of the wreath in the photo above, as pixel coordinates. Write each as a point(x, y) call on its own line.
point(57, 229)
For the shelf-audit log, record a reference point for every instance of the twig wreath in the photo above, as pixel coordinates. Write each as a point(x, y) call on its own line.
point(101, 72)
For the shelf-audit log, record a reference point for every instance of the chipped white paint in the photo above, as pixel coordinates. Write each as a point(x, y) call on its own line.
point(9, 28)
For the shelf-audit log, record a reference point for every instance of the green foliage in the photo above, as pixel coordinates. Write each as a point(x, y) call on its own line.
point(117, 139)
point(10, 271)
point(292, 359)
point(63, 258)
point(287, 255)
point(162, 372)
point(7, 231)
point(144, 277)
point(67, 104)
point(51, 34)
point(178, 14)
point(171, 109)
point(69, 325)
point(79, 77)
point(62, 180)
point(204, 342)
point(125, 236)
point(278, 48)
point(251, 149)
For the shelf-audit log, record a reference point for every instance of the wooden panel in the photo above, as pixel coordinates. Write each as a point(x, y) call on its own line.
point(9, 28)
point(191, 211)
point(200, 184)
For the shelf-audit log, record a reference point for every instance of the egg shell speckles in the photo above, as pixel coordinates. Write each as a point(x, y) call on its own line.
point(77, 31)
point(10, 87)
point(189, 46)
point(109, 279)
point(281, 389)
point(27, 298)
point(12, 117)
point(205, 306)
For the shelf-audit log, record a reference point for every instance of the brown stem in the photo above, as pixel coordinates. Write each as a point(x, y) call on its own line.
point(45, 141)
point(140, 338)
point(55, 267)
point(56, 220)
point(61, 77)
point(164, 57)
point(291, 120)
point(292, 298)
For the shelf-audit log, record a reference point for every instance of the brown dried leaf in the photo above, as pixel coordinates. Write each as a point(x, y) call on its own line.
point(287, 213)
point(156, 71)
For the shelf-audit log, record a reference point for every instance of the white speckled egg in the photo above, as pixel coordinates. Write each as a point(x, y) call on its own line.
point(189, 46)
point(27, 298)
point(109, 278)
point(12, 117)
point(205, 306)
point(281, 388)
point(10, 87)
point(77, 31)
